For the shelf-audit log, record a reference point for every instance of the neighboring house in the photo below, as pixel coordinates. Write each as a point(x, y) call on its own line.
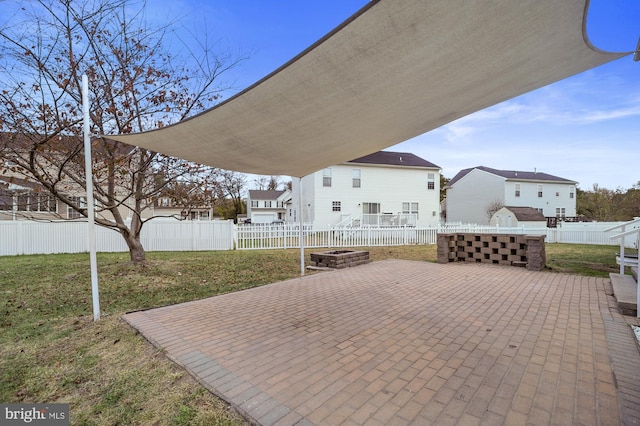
point(518, 217)
point(267, 206)
point(474, 194)
point(385, 188)
point(167, 207)
point(22, 198)
point(19, 198)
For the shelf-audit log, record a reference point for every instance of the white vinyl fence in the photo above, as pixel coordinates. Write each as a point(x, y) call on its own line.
point(285, 236)
point(25, 237)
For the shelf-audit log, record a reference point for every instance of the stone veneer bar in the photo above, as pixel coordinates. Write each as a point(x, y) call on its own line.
point(501, 249)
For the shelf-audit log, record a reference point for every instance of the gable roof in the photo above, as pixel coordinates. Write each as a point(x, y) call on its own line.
point(527, 214)
point(511, 175)
point(257, 194)
point(390, 158)
point(392, 71)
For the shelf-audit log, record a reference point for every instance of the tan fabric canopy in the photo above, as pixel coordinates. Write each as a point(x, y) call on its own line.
point(395, 70)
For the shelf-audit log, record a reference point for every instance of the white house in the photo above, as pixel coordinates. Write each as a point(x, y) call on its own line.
point(267, 206)
point(474, 194)
point(385, 188)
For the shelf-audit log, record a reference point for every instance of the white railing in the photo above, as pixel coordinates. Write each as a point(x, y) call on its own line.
point(389, 219)
point(623, 236)
point(624, 260)
point(24, 237)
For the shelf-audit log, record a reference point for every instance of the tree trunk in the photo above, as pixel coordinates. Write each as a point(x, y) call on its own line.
point(136, 250)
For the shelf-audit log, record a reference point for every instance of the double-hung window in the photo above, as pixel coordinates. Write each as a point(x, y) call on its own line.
point(78, 202)
point(355, 173)
point(326, 177)
point(431, 181)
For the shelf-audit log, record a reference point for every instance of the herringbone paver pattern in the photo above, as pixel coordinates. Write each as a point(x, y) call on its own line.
point(400, 342)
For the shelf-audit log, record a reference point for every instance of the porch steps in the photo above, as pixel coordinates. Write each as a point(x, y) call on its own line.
point(625, 290)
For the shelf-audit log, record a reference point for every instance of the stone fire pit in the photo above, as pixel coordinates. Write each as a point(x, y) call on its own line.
point(339, 259)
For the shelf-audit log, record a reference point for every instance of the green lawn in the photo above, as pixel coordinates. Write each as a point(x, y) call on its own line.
point(51, 350)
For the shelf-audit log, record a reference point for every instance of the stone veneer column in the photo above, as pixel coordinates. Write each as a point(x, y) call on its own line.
point(536, 255)
point(443, 247)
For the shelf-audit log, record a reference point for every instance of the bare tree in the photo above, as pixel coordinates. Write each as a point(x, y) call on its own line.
point(493, 207)
point(136, 84)
point(267, 183)
point(232, 186)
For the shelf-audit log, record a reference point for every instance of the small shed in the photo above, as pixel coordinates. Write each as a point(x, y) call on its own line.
point(519, 217)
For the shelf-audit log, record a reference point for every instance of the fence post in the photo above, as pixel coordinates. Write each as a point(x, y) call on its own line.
point(20, 237)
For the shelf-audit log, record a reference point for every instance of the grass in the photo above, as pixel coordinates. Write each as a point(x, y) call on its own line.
point(51, 350)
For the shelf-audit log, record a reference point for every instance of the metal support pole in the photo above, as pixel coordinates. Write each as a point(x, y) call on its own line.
point(90, 210)
point(301, 232)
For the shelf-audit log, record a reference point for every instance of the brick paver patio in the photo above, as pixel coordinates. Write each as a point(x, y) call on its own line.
point(401, 342)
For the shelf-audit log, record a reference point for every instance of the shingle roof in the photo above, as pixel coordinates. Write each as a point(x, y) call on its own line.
point(256, 194)
point(526, 213)
point(394, 159)
point(511, 174)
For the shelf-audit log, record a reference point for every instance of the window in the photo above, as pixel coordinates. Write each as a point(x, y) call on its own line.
point(79, 202)
point(267, 204)
point(560, 212)
point(370, 208)
point(336, 206)
point(571, 193)
point(326, 177)
point(36, 202)
point(6, 200)
point(517, 189)
point(431, 181)
point(254, 203)
point(163, 202)
point(410, 208)
point(539, 191)
point(355, 173)
point(204, 215)
point(23, 202)
point(557, 194)
point(280, 204)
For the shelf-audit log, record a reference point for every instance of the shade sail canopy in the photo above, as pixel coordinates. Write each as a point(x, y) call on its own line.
point(394, 70)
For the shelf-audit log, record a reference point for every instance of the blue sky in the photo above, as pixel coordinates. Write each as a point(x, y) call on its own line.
point(585, 128)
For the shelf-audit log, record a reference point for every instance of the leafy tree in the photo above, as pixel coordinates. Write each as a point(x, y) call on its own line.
point(606, 205)
point(136, 84)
